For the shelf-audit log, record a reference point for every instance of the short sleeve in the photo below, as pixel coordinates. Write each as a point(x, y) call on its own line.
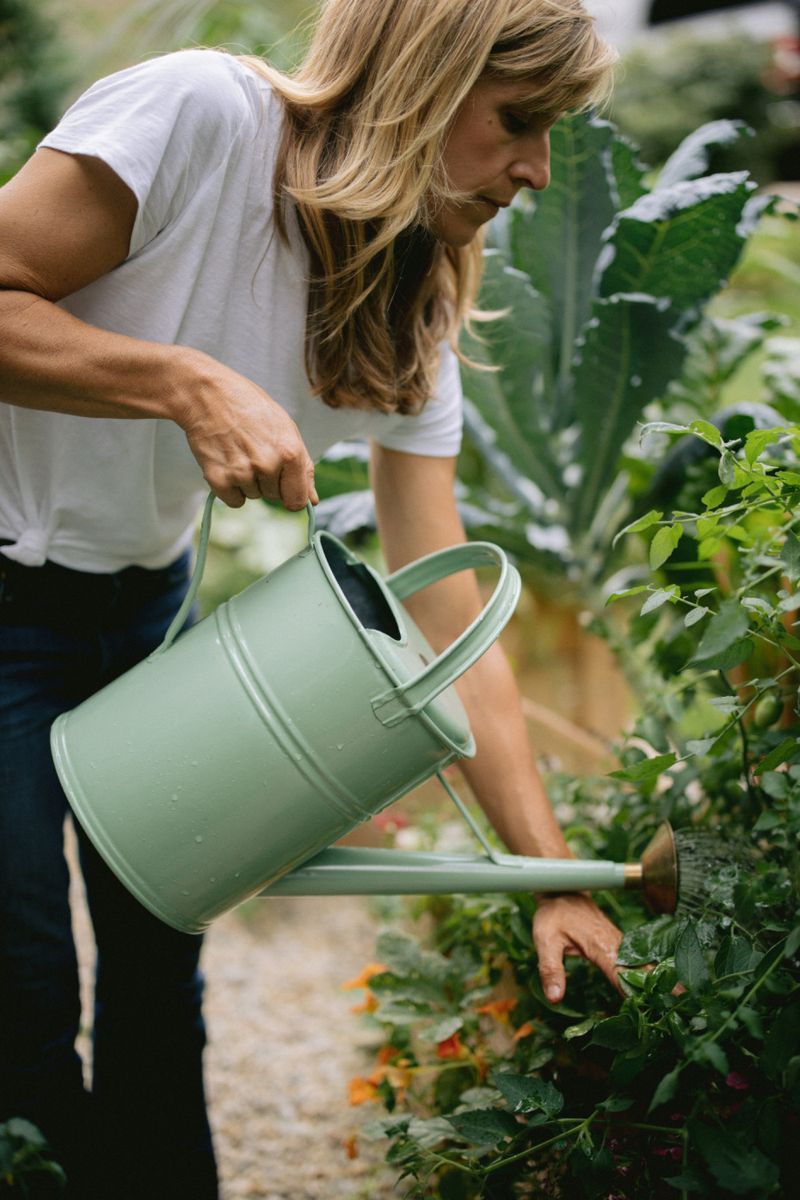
point(161, 126)
point(436, 431)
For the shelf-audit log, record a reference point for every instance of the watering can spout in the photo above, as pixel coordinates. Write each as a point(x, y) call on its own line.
point(656, 874)
point(344, 870)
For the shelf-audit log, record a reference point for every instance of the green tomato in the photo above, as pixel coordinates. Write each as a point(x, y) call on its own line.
point(767, 710)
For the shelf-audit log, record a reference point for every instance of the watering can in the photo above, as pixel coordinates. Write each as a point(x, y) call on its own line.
point(226, 764)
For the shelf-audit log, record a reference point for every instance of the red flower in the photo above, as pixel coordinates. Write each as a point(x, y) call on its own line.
point(451, 1047)
point(737, 1082)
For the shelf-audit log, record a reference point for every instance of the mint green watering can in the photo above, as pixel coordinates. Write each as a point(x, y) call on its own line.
point(226, 764)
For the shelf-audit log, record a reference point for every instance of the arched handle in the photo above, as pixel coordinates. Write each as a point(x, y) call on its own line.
point(199, 567)
point(411, 697)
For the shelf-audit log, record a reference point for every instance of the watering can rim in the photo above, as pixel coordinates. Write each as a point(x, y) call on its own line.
point(406, 696)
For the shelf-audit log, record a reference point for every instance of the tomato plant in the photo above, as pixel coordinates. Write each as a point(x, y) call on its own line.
point(690, 1084)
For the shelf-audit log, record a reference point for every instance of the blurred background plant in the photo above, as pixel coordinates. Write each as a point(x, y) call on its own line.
point(28, 1170)
point(666, 90)
point(34, 76)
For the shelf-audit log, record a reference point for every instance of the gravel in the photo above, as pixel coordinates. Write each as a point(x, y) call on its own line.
point(283, 1045)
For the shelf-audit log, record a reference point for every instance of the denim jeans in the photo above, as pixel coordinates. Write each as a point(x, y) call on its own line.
point(141, 1132)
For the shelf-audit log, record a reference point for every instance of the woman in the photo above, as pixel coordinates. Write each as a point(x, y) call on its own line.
point(212, 272)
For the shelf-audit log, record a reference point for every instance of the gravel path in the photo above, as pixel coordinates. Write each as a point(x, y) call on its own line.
point(283, 1044)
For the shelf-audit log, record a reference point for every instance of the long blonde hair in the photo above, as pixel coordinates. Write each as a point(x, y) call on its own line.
point(367, 115)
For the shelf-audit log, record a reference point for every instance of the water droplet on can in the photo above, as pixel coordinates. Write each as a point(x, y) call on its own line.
point(199, 837)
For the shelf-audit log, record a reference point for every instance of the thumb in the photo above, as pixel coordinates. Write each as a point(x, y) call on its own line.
point(552, 973)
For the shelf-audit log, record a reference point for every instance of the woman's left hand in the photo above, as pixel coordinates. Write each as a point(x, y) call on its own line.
point(573, 925)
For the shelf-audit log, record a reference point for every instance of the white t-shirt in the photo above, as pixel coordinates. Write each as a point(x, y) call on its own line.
point(194, 135)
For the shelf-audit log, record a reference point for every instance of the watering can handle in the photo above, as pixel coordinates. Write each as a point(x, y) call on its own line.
point(199, 566)
point(411, 697)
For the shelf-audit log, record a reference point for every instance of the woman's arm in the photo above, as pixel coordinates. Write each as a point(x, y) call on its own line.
point(66, 220)
point(417, 515)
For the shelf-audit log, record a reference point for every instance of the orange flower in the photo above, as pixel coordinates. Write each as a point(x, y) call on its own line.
point(351, 1146)
point(363, 979)
point(387, 1053)
point(367, 1005)
point(451, 1047)
point(498, 1008)
point(524, 1031)
point(361, 1090)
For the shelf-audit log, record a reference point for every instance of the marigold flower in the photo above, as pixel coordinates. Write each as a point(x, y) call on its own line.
point(524, 1031)
point(363, 979)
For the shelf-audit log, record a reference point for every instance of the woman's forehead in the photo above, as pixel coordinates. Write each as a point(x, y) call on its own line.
point(527, 94)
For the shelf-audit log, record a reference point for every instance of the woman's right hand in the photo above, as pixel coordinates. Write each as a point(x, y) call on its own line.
point(246, 444)
point(66, 220)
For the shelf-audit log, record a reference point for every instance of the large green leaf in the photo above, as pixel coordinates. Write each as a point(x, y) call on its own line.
point(516, 344)
point(692, 157)
point(499, 455)
point(628, 171)
point(735, 1164)
point(556, 240)
point(629, 355)
point(514, 398)
point(717, 348)
point(528, 1093)
point(680, 242)
point(542, 547)
point(344, 468)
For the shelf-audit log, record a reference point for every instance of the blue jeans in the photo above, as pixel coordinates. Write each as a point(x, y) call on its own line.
point(142, 1132)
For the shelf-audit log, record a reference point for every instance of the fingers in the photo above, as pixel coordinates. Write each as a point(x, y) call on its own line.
point(246, 444)
point(296, 483)
point(290, 480)
point(234, 497)
point(573, 925)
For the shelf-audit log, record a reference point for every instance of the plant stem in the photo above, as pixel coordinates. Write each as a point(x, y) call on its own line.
point(581, 1125)
point(713, 1035)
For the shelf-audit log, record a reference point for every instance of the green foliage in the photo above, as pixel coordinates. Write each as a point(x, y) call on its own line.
point(27, 1169)
point(690, 1084)
point(33, 81)
point(603, 284)
point(665, 90)
point(607, 282)
point(271, 30)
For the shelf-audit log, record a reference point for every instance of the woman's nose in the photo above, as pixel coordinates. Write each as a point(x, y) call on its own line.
point(533, 171)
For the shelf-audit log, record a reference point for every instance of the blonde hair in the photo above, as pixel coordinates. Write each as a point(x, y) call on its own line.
point(367, 115)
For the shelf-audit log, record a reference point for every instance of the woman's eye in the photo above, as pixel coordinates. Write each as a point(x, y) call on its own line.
point(515, 122)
